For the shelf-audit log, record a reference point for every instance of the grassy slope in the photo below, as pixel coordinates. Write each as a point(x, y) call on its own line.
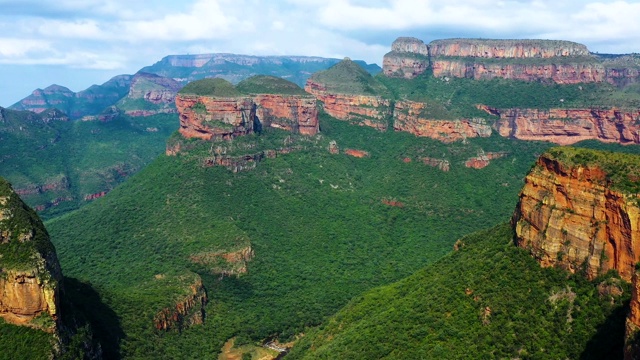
point(440, 312)
point(316, 247)
point(263, 84)
point(347, 77)
point(19, 342)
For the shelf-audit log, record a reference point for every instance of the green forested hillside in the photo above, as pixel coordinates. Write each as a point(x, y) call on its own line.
point(55, 163)
point(317, 222)
point(489, 299)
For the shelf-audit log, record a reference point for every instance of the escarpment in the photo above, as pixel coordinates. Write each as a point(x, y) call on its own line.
point(568, 126)
point(30, 274)
point(187, 310)
point(562, 62)
point(213, 109)
point(579, 210)
point(348, 92)
point(409, 116)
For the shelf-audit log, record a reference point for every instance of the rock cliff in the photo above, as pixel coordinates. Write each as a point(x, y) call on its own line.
point(348, 92)
point(187, 311)
point(579, 210)
point(563, 62)
point(632, 328)
point(568, 126)
point(407, 116)
point(30, 274)
point(409, 57)
point(150, 94)
point(232, 113)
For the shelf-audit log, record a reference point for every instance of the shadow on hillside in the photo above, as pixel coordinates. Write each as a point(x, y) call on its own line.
point(87, 307)
point(608, 341)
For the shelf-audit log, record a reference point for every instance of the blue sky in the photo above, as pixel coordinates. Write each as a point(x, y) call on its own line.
point(77, 43)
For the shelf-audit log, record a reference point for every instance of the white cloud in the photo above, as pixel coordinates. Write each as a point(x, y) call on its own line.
point(12, 48)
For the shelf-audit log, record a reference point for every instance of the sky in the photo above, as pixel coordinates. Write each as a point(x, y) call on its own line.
point(77, 43)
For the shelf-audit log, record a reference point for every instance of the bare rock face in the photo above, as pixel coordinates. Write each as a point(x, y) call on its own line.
point(367, 110)
point(295, 113)
point(569, 214)
point(632, 328)
point(210, 118)
point(483, 159)
point(568, 126)
point(30, 274)
point(409, 57)
point(441, 164)
point(407, 116)
point(186, 312)
point(494, 48)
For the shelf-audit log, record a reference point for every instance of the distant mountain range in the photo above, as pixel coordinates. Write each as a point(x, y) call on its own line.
point(152, 89)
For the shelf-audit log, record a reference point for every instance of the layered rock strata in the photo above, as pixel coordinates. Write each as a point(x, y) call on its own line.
point(30, 274)
point(569, 216)
point(409, 57)
point(632, 326)
point(568, 126)
point(186, 312)
point(368, 110)
point(407, 116)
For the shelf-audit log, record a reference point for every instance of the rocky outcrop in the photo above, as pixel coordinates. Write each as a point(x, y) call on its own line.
point(441, 164)
point(295, 113)
point(568, 126)
point(225, 263)
point(30, 274)
point(407, 116)
point(409, 57)
point(365, 110)
point(55, 184)
point(356, 153)
point(186, 312)
point(213, 118)
point(496, 48)
point(571, 215)
point(483, 159)
point(150, 94)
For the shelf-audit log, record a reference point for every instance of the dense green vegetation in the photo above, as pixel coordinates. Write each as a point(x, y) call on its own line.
point(23, 343)
point(56, 163)
point(316, 221)
point(210, 87)
point(347, 77)
point(622, 169)
point(489, 299)
point(453, 98)
point(265, 84)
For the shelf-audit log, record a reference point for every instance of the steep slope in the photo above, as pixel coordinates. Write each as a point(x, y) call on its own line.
point(142, 243)
point(30, 274)
point(579, 210)
point(348, 92)
point(57, 165)
point(487, 299)
point(235, 68)
point(149, 94)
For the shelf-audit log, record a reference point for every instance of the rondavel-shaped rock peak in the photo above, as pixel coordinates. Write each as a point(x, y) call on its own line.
point(30, 274)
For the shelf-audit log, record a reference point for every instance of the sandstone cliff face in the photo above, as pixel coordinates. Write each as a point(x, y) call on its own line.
point(488, 48)
point(210, 118)
point(150, 94)
point(568, 126)
point(483, 159)
point(407, 117)
point(295, 113)
point(29, 270)
point(409, 57)
point(365, 110)
point(572, 73)
point(568, 216)
point(186, 312)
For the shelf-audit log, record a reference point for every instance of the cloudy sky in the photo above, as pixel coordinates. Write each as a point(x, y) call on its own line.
point(77, 43)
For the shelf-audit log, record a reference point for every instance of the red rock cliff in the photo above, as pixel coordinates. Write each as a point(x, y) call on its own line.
point(407, 116)
point(362, 109)
point(29, 270)
point(494, 48)
point(632, 343)
point(295, 113)
point(409, 57)
point(568, 126)
point(209, 118)
point(186, 312)
point(569, 216)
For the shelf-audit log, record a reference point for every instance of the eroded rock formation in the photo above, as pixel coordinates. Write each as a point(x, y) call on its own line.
point(407, 116)
point(366, 110)
point(409, 57)
point(570, 216)
point(441, 164)
point(483, 159)
point(186, 312)
point(295, 113)
point(30, 274)
point(632, 328)
point(568, 126)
